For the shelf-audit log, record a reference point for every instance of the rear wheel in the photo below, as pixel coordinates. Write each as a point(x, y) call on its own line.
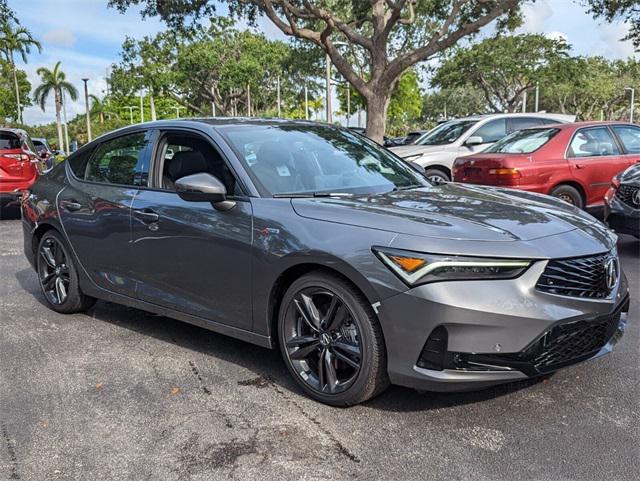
point(569, 194)
point(58, 276)
point(437, 176)
point(331, 341)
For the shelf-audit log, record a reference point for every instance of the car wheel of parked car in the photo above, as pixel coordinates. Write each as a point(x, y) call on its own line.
point(58, 276)
point(568, 194)
point(437, 176)
point(331, 340)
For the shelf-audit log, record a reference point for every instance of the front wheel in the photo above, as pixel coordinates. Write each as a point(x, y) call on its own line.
point(58, 276)
point(331, 340)
point(437, 176)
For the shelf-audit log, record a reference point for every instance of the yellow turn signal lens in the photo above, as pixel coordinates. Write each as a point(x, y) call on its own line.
point(408, 264)
point(514, 173)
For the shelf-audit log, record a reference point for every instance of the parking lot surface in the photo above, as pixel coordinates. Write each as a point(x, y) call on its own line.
point(120, 394)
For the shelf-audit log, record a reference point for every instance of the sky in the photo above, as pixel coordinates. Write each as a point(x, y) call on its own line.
point(87, 37)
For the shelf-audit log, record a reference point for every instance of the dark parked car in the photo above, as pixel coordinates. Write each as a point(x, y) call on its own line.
point(622, 202)
point(313, 239)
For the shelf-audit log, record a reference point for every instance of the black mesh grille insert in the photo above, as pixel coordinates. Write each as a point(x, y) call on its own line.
point(626, 194)
point(569, 343)
point(576, 277)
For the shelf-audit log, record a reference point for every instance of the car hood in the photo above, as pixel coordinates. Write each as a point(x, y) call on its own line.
point(456, 211)
point(408, 150)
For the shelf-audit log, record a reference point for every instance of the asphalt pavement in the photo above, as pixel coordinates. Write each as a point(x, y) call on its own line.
point(120, 394)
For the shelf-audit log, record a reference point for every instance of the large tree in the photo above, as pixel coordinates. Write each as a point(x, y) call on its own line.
point(54, 82)
point(15, 39)
point(502, 67)
point(391, 35)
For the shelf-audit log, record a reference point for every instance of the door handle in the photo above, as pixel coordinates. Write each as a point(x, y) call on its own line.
point(70, 205)
point(146, 215)
point(579, 166)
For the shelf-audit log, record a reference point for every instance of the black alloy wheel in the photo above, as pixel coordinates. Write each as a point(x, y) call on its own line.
point(54, 271)
point(58, 276)
point(332, 344)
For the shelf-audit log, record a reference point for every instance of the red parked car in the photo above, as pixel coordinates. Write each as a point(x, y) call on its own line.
point(574, 162)
point(20, 166)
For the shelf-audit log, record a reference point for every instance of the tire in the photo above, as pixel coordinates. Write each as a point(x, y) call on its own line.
point(56, 265)
point(569, 194)
point(437, 176)
point(355, 339)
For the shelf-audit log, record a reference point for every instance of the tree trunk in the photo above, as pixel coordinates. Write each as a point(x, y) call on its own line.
point(377, 105)
point(58, 101)
point(152, 104)
point(17, 87)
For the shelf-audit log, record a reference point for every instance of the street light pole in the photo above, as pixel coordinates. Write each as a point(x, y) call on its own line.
point(86, 106)
point(306, 102)
point(328, 93)
point(537, 97)
point(633, 101)
point(141, 106)
point(131, 109)
point(524, 102)
point(178, 109)
point(278, 91)
point(348, 103)
point(66, 128)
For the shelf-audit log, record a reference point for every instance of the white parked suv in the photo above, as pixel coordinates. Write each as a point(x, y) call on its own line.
point(437, 149)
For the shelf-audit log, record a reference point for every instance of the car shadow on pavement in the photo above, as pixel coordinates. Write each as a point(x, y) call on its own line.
point(628, 246)
point(11, 212)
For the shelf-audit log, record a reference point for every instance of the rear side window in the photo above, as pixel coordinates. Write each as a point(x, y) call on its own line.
point(9, 141)
point(593, 142)
point(121, 161)
point(492, 131)
point(523, 142)
point(519, 123)
point(629, 136)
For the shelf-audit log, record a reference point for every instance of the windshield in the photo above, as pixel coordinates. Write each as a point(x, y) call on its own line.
point(523, 141)
point(446, 133)
point(303, 159)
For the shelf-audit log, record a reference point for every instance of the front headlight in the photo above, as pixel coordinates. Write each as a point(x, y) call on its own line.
point(416, 268)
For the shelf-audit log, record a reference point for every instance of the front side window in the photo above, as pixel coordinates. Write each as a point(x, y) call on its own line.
point(593, 142)
point(121, 161)
point(523, 142)
point(492, 131)
point(294, 159)
point(629, 136)
point(446, 133)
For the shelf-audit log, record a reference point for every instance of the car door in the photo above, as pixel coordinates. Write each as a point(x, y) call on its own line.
point(188, 256)
point(594, 157)
point(95, 206)
point(629, 137)
point(491, 132)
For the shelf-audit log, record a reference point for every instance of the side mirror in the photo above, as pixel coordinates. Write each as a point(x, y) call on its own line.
point(203, 187)
point(474, 140)
point(417, 167)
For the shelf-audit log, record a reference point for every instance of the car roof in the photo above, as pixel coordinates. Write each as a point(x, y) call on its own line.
point(18, 132)
point(545, 115)
point(584, 123)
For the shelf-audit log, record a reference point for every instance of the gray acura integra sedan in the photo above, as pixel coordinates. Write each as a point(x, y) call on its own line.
point(315, 240)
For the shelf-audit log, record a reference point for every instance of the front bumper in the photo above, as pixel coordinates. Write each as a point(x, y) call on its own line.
point(496, 331)
point(622, 218)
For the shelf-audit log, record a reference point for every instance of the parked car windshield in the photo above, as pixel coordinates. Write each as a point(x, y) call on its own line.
point(303, 159)
point(523, 141)
point(446, 133)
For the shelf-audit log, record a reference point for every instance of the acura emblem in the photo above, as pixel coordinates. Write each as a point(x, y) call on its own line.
point(611, 272)
point(635, 198)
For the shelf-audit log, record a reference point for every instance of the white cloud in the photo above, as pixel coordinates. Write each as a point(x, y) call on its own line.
point(611, 35)
point(535, 15)
point(61, 37)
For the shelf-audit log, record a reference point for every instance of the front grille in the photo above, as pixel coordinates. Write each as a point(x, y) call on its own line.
point(576, 277)
point(626, 194)
point(569, 343)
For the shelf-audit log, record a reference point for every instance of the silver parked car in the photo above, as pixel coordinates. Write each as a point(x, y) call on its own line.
point(437, 149)
point(316, 241)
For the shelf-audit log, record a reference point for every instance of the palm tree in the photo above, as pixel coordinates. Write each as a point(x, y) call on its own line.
point(16, 40)
point(54, 81)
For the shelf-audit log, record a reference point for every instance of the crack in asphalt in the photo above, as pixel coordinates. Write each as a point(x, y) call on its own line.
point(13, 457)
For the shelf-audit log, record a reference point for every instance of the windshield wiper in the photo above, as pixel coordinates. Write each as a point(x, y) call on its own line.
point(299, 195)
